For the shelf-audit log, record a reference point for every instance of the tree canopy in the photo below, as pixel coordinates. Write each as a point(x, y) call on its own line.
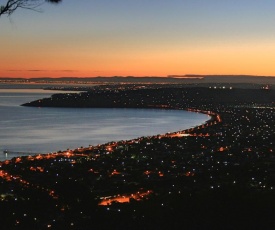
point(12, 5)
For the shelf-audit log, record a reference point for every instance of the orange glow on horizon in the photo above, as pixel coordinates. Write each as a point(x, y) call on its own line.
point(230, 59)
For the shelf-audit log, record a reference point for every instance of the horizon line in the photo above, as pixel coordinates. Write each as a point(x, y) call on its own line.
point(176, 76)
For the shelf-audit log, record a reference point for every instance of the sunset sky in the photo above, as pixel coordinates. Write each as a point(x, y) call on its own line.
point(86, 38)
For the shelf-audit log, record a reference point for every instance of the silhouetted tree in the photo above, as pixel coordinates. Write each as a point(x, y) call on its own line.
point(12, 5)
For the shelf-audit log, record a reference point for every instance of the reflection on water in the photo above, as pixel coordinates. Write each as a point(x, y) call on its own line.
point(42, 130)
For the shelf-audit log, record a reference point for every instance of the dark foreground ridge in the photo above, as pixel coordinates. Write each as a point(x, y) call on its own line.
point(219, 175)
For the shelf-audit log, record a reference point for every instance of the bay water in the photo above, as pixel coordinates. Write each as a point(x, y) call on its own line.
point(31, 130)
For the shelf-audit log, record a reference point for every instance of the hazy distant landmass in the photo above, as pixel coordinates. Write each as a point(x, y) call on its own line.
point(188, 79)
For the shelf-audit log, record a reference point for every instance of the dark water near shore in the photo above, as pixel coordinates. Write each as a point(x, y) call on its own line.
point(40, 130)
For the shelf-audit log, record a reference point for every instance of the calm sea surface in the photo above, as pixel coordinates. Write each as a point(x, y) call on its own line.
point(28, 130)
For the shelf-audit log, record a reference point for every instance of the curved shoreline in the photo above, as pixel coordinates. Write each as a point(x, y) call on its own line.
point(215, 118)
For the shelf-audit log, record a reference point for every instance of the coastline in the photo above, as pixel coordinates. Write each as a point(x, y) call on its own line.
point(213, 120)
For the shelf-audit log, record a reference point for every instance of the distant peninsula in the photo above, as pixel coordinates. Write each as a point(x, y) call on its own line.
point(147, 96)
